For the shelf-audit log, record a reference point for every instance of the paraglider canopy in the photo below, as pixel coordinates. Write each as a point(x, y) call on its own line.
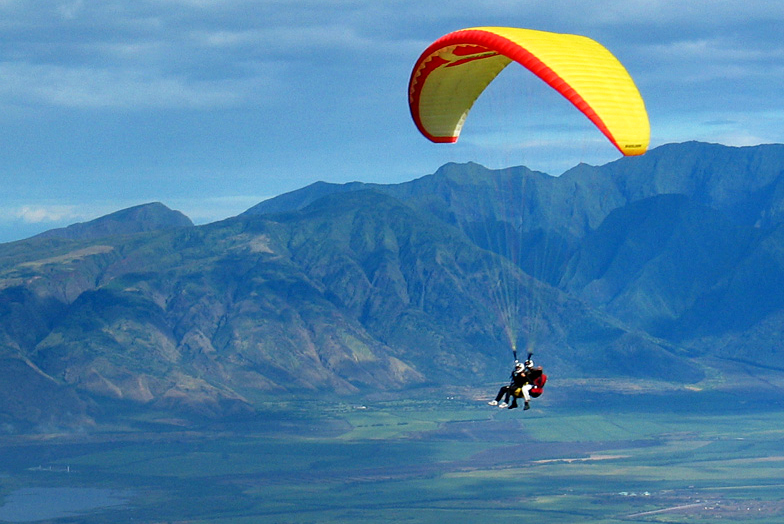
point(453, 71)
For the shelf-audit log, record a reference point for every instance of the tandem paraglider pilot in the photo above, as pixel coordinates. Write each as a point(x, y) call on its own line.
point(527, 382)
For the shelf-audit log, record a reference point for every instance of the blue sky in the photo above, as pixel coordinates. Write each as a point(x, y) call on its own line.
point(211, 106)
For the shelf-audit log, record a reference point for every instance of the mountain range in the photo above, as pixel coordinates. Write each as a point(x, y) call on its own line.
point(664, 267)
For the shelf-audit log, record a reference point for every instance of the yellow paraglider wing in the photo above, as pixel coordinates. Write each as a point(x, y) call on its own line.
point(452, 73)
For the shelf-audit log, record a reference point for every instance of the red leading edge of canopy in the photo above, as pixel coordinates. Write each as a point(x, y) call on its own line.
point(428, 62)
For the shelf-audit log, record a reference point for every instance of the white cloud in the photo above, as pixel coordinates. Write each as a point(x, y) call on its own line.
point(89, 87)
point(707, 57)
point(69, 10)
point(670, 12)
point(271, 93)
point(36, 214)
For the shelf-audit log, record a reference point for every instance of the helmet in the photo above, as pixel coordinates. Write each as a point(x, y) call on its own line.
point(529, 363)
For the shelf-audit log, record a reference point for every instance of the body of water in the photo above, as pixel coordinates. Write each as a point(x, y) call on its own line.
point(33, 504)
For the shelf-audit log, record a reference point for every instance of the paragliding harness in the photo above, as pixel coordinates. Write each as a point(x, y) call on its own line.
point(537, 383)
point(536, 390)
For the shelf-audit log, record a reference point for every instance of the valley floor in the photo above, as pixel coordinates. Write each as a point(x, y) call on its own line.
point(696, 457)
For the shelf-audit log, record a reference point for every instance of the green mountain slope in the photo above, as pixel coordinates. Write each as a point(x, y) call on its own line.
point(651, 261)
point(660, 242)
point(356, 292)
point(646, 268)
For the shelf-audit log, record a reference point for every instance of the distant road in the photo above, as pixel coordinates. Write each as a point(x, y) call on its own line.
point(666, 510)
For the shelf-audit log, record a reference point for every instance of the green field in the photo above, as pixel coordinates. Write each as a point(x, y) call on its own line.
point(641, 459)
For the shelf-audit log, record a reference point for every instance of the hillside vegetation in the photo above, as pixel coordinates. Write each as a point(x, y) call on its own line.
point(647, 268)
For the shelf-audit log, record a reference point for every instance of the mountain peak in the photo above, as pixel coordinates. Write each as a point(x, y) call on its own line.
point(138, 219)
point(301, 197)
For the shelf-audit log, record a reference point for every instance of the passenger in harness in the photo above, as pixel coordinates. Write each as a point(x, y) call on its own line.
point(527, 382)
